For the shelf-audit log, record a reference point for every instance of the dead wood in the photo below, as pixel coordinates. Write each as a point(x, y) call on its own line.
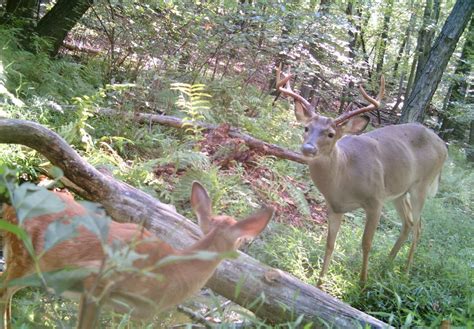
point(252, 142)
point(270, 293)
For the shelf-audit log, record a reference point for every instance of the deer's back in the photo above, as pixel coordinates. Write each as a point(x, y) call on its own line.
point(390, 160)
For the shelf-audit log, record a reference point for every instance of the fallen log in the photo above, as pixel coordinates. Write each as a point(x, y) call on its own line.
point(252, 142)
point(281, 297)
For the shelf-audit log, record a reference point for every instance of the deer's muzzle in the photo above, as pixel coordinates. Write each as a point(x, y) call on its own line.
point(309, 150)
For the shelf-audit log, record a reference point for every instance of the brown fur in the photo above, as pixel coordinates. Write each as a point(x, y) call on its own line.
point(144, 294)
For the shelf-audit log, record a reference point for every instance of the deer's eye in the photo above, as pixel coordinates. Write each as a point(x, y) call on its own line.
point(330, 135)
point(306, 129)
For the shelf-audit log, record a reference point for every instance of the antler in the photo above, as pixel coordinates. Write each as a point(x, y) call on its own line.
point(288, 91)
point(374, 103)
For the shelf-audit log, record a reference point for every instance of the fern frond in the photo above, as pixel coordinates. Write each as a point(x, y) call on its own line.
point(300, 199)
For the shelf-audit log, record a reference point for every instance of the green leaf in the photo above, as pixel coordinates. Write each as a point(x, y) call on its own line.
point(95, 221)
point(123, 256)
point(60, 281)
point(56, 173)
point(59, 231)
point(31, 201)
point(20, 233)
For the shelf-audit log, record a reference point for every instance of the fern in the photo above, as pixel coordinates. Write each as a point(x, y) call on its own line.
point(5, 96)
point(192, 101)
point(183, 159)
point(209, 178)
point(300, 199)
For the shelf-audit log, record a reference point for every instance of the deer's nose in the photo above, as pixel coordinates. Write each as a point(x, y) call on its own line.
point(309, 149)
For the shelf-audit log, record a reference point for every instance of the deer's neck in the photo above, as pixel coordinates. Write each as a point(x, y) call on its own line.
point(327, 171)
point(185, 277)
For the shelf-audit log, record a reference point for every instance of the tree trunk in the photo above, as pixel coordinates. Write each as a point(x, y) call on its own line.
point(60, 20)
point(363, 25)
point(324, 6)
point(470, 146)
point(25, 9)
point(54, 25)
point(405, 47)
point(438, 58)
point(353, 35)
point(458, 89)
point(420, 45)
point(426, 34)
point(384, 36)
point(280, 296)
point(402, 57)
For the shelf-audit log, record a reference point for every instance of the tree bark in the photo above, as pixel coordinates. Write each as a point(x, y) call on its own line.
point(421, 44)
point(54, 26)
point(353, 35)
point(438, 58)
point(324, 6)
point(285, 297)
point(22, 8)
point(470, 146)
point(60, 20)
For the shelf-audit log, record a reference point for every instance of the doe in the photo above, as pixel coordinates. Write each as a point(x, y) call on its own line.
point(148, 289)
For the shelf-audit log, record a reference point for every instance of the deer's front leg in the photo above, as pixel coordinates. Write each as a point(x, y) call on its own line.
point(372, 221)
point(6, 295)
point(334, 223)
point(89, 312)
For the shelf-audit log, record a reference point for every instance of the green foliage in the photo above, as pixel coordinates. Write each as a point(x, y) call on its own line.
point(192, 101)
point(33, 76)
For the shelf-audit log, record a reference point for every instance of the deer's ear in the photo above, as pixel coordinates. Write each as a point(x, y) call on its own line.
point(254, 224)
point(355, 125)
point(303, 115)
point(202, 205)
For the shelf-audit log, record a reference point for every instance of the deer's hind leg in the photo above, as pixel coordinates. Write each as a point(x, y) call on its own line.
point(404, 209)
point(417, 196)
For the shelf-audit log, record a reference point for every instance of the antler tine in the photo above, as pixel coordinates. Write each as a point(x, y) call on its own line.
point(374, 103)
point(287, 89)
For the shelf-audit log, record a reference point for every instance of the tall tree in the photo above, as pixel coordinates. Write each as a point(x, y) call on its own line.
point(60, 20)
point(384, 36)
point(438, 58)
point(404, 48)
point(324, 6)
point(402, 56)
point(470, 148)
point(54, 26)
point(424, 41)
point(430, 19)
point(22, 8)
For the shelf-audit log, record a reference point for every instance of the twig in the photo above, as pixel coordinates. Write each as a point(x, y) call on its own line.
point(215, 309)
point(195, 316)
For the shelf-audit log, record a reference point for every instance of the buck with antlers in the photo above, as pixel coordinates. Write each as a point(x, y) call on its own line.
point(160, 278)
point(400, 163)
